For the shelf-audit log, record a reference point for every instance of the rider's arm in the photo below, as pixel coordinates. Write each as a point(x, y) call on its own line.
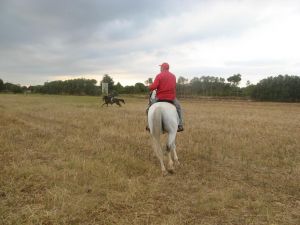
point(155, 83)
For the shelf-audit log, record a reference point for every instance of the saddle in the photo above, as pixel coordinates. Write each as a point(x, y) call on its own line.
point(165, 100)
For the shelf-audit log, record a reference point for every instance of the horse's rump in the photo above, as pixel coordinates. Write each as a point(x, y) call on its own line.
point(165, 116)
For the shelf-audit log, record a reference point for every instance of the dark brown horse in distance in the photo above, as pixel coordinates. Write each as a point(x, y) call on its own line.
point(111, 100)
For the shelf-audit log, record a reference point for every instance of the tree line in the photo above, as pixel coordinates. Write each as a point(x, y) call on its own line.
point(9, 87)
point(279, 88)
point(71, 87)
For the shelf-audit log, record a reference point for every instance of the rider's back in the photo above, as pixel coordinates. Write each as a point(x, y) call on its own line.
point(165, 83)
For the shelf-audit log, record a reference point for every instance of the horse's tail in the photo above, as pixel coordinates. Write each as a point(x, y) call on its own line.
point(157, 122)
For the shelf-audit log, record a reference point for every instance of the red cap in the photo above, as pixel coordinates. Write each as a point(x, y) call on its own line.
point(165, 66)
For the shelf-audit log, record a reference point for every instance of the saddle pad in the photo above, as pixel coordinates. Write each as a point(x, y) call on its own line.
point(165, 100)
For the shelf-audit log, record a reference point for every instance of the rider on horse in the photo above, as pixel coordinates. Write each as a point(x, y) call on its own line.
point(165, 86)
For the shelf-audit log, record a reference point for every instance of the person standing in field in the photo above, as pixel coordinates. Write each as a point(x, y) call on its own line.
point(165, 86)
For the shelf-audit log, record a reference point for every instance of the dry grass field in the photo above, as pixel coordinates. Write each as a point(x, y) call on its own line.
point(65, 160)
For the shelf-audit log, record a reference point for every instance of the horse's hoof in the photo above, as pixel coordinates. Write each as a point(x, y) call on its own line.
point(177, 163)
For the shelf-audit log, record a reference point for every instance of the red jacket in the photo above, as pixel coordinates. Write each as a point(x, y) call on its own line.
point(165, 83)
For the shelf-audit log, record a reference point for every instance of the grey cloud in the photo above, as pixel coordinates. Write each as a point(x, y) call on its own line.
point(37, 21)
point(40, 38)
point(257, 63)
point(69, 36)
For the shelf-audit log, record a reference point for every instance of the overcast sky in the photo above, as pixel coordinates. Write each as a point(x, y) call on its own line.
point(46, 40)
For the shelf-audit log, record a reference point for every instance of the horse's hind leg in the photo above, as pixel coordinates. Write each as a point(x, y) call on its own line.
point(159, 154)
point(175, 156)
point(172, 148)
point(170, 163)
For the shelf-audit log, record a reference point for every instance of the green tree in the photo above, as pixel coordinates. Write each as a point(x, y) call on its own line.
point(235, 79)
point(72, 87)
point(107, 79)
point(90, 87)
point(36, 89)
point(280, 88)
point(24, 89)
point(181, 87)
point(209, 86)
point(181, 80)
point(140, 88)
point(129, 89)
point(119, 88)
point(9, 87)
point(149, 81)
point(1, 85)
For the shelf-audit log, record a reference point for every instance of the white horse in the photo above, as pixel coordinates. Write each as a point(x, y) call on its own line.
point(163, 117)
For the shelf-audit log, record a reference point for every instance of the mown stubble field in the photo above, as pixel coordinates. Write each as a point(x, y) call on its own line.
point(66, 160)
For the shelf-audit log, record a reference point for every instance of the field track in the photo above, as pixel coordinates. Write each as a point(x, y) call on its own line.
point(66, 160)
